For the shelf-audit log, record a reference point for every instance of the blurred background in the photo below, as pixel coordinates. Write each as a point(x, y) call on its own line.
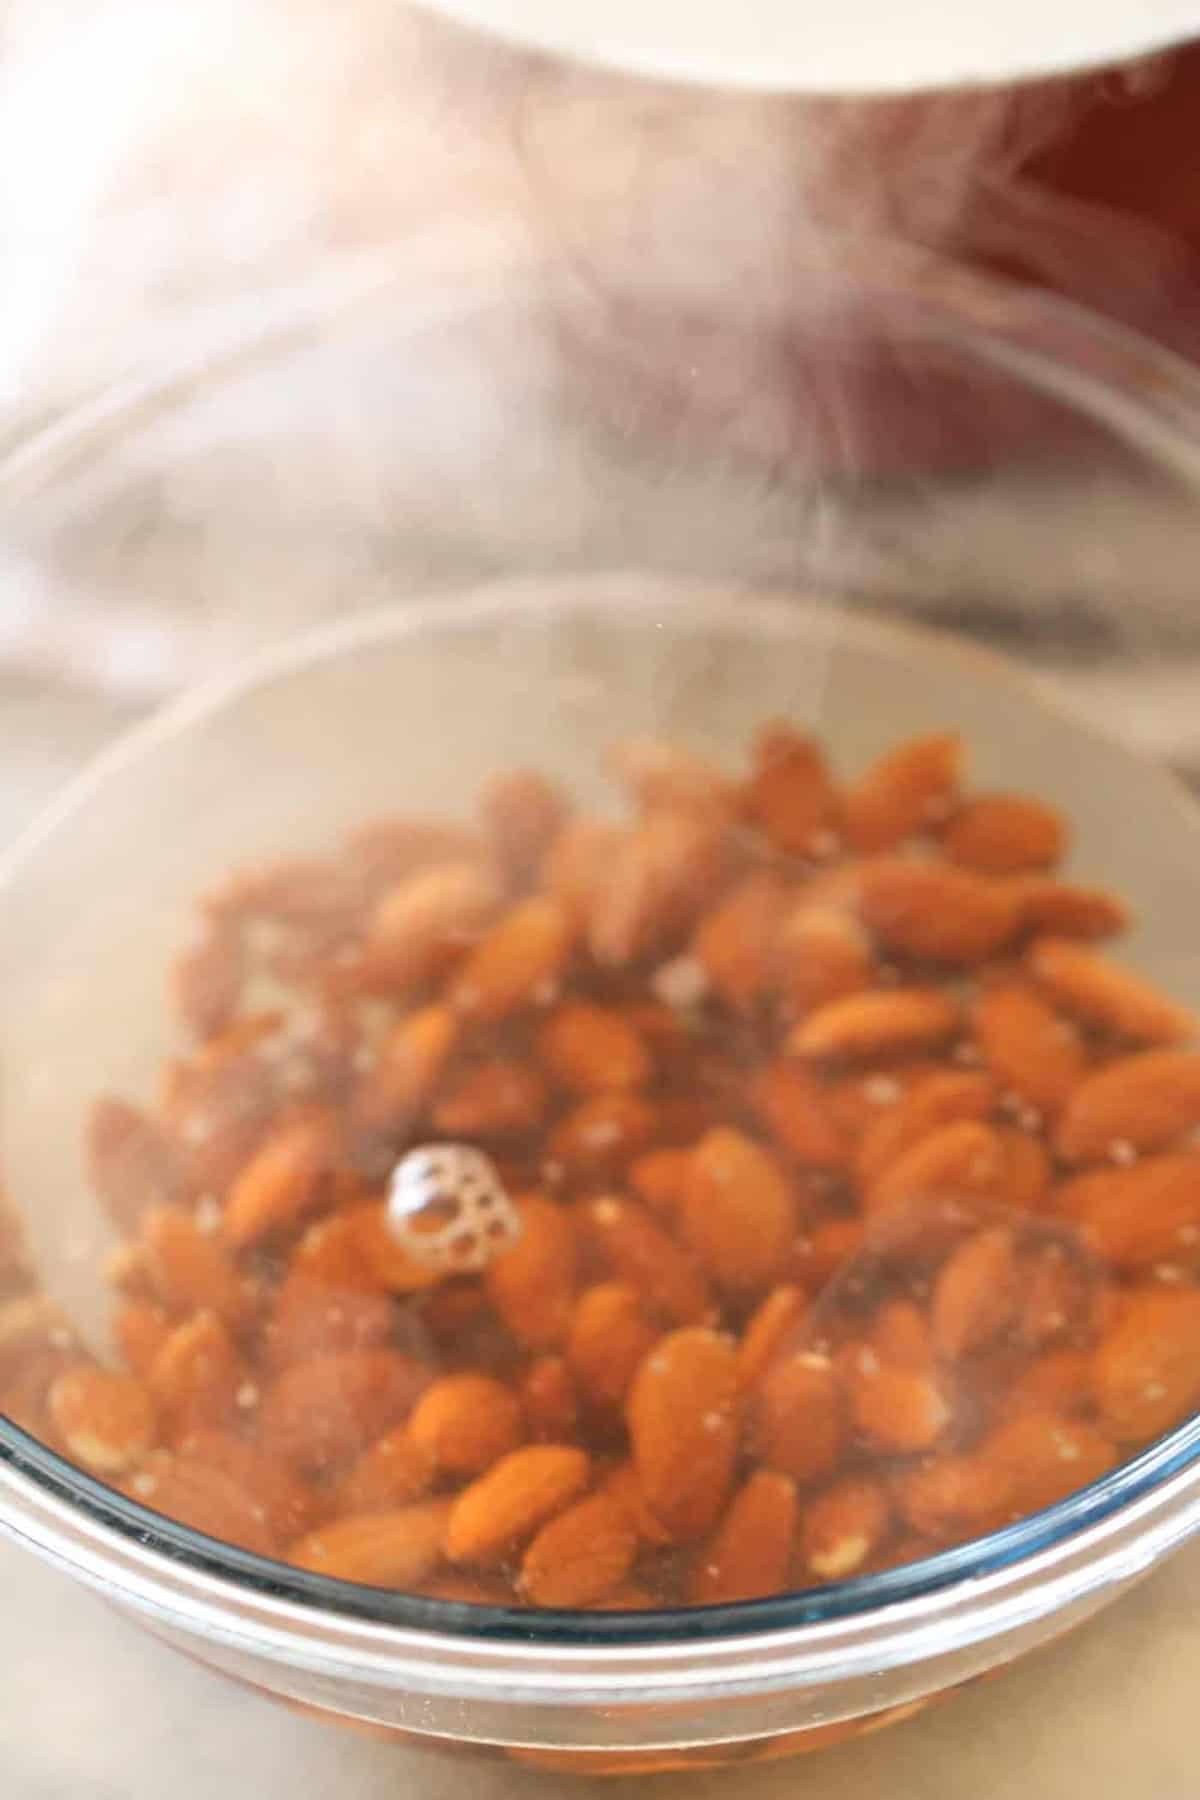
point(308, 306)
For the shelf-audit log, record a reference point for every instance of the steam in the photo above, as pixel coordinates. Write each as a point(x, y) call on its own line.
point(196, 188)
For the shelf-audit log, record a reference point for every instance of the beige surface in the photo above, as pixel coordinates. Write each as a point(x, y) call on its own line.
point(90, 1709)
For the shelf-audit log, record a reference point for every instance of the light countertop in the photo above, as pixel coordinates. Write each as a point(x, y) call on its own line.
point(92, 1709)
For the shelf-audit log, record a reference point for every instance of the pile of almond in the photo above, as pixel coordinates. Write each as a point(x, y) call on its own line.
point(859, 1194)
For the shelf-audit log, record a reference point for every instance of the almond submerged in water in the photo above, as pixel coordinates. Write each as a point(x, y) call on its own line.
point(856, 1192)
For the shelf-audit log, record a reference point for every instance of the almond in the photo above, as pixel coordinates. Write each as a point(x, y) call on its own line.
point(289, 1505)
point(324, 1411)
point(1005, 834)
point(281, 1182)
point(429, 919)
point(391, 1472)
point(1029, 1048)
point(505, 1507)
point(975, 1295)
point(140, 1329)
point(895, 1408)
point(876, 1024)
point(498, 1098)
point(735, 942)
point(592, 1050)
point(1063, 910)
point(190, 1492)
point(775, 1320)
point(908, 790)
point(821, 954)
point(549, 1400)
point(795, 1109)
point(596, 1140)
point(610, 1336)
point(581, 1555)
point(532, 1284)
point(1146, 1373)
point(190, 1271)
point(197, 1375)
point(521, 956)
point(1045, 1457)
point(738, 1212)
point(639, 1252)
point(577, 860)
point(466, 1422)
point(206, 979)
point(750, 1553)
point(934, 911)
point(105, 1421)
point(653, 885)
point(967, 1157)
point(843, 1527)
point(790, 795)
point(799, 1416)
point(658, 1179)
point(1139, 1216)
point(951, 1497)
point(410, 1063)
point(945, 1098)
point(384, 1549)
point(683, 1429)
point(1106, 997)
point(1149, 1101)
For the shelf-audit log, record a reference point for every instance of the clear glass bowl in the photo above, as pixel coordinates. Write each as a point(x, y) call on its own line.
point(416, 704)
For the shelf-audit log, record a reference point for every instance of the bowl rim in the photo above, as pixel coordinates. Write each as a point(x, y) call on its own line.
point(1125, 1519)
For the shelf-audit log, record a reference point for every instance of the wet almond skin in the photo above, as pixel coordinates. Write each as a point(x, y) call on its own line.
point(859, 1197)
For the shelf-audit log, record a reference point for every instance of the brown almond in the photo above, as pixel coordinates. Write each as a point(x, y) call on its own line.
point(750, 1553)
point(965, 1157)
point(934, 911)
point(775, 1320)
point(1138, 1216)
point(610, 1336)
point(843, 1526)
point(189, 1270)
point(821, 953)
point(975, 1295)
point(738, 1212)
point(408, 1067)
point(652, 886)
point(682, 1414)
point(945, 1098)
point(522, 815)
point(591, 1049)
point(506, 1506)
point(429, 919)
point(909, 790)
point(522, 956)
point(386, 1549)
point(1147, 1101)
point(466, 1422)
point(105, 1420)
point(281, 1182)
point(1106, 997)
point(323, 1412)
point(1029, 1047)
point(1061, 909)
point(799, 1416)
point(130, 1163)
point(497, 1098)
point(1005, 834)
point(790, 795)
point(532, 1284)
point(734, 943)
point(1146, 1372)
point(581, 1555)
point(668, 776)
point(876, 1024)
point(638, 1251)
point(795, 1109)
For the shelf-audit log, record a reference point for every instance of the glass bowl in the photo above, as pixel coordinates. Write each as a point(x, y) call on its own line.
point(915, 446)
point(415, 706)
